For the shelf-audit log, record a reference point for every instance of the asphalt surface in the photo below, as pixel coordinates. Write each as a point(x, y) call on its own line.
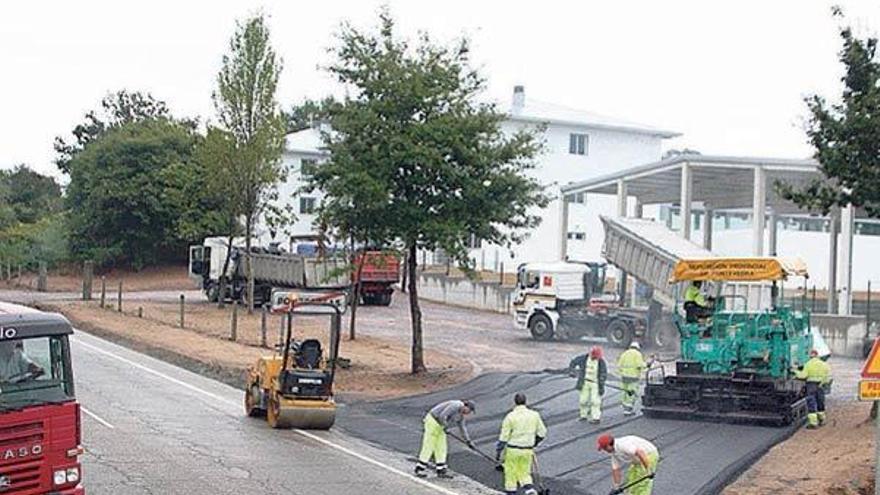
point(697, 458)
point(153, 428)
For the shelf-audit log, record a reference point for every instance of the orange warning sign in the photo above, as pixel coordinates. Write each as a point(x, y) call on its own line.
point(871, 369)
point(869, 390)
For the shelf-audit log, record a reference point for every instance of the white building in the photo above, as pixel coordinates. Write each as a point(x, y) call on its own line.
point(578, 145)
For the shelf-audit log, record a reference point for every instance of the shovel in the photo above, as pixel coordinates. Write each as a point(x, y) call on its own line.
point(539, 482)
point(498, 466)
point(621, 489)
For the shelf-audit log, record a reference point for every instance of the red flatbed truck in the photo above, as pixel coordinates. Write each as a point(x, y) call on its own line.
point(379, 271)
point(40, 425)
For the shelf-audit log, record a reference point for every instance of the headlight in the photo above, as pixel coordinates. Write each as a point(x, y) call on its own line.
point(59, 477)
point(72, 475)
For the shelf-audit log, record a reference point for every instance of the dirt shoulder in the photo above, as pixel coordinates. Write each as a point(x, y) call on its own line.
point(379, 367)
point(171, 277)
point(836, 459)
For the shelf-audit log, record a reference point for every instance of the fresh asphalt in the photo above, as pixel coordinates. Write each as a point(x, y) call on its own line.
point(153, 428)
point(697, 458)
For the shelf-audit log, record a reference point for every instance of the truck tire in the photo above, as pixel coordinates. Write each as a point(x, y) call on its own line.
point(213, 292)
point(541, 327)
point(385, 299)
point(619, 333)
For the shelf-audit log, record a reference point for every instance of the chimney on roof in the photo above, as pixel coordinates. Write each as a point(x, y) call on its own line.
point(519, 98)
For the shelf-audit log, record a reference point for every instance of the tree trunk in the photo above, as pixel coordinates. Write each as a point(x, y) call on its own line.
point(418, 357)
point(248, 267)
point(405, 274)
point(221, 290)
point(356, 295)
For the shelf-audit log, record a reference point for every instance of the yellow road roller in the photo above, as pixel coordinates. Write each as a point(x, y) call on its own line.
point(293, 388)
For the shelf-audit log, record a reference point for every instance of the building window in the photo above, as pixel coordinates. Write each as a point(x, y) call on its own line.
point(579, 198)
point(474, 242)
point(306, 204)
point(307, 167)
point(578, 144)
point(577, 236)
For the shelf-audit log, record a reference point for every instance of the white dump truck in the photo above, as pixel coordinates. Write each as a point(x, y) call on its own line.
point(566, 300)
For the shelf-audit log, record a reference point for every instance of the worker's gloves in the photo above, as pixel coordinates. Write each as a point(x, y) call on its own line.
point(471, 445)
point(499, 446)
point(651, 475)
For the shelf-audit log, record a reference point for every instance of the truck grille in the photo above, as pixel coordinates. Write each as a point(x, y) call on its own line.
point(21, 455)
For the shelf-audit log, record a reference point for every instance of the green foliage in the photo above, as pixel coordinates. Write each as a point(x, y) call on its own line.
point(128, 189)
point(117, 109)
point(42, 240)
point(307, 114)
point(414, 156)
point(846, 136)
point(30, 195)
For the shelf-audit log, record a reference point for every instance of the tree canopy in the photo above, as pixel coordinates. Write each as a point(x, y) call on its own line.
point(846, 136)
point(416, 159)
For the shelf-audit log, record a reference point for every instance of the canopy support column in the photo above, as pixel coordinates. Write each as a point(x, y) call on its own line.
point(563, 227)
point(773, 234)
point(759, 207)
point(708, 213)
point(847, 219)
point(687, 183)
point(621, 213)
point(832, 261)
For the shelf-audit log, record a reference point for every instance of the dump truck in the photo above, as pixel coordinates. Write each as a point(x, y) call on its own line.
point(737, 365)
point(566, 301)
point(272, 268)
point(40, 420)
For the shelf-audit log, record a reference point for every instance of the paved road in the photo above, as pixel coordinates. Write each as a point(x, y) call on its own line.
point(152, 428)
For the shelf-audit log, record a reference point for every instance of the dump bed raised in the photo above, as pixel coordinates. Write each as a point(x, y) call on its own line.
point(294, 270)
point(648, 251)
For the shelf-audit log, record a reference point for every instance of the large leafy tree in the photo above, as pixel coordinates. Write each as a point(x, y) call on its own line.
point(243, 151)
point(116, 109)
point(416, 158)
point(124, 194)
point(31, 195)
point(846, 136)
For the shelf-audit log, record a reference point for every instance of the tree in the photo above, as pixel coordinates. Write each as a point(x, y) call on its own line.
point(846, 136)
point(121, 193)
point(117, 109)
point(416, 160)
point(243, 152)
point(306, 114)
point(31, 195)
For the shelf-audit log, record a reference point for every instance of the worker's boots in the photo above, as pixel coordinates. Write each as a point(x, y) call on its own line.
point(443, 472)
point(421, 470)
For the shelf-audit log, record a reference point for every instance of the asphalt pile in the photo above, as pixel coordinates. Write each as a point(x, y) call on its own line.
point(696, 457)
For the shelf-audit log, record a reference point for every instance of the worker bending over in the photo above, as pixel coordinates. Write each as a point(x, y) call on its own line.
point(591, 375)
point(438, 420)
point(696, 305)
point(521, 431)
point(630, 366)
point(817, 373)
point(639, 454)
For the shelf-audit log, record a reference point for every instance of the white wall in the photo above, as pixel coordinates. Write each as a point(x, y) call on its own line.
point(289, 194)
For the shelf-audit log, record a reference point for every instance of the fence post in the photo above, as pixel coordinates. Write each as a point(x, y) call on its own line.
point(263, 313)
point(140, 311)
point(119, 298)
point(42, 278)
point(501, 274)
point(233, 334)
point(103, 289)
point(281, 330)
point(182, 306)
point(88, 273)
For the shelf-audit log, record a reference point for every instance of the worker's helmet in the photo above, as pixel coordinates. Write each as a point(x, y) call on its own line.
point(635, 345)
point(604, 441)
point(596, 352)
point(814, 353)
point(698, 283)
point(470, 405)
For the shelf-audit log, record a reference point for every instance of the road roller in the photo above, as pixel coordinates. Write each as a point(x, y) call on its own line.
point(293, 387)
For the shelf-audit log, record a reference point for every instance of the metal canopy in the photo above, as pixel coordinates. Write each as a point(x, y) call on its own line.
point(722, 182)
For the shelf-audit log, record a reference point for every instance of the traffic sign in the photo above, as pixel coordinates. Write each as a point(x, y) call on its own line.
point(871, 369)
point(869, 390)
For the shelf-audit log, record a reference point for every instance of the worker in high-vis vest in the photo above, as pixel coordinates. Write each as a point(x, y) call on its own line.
point(817, 374)
point(640, 455)
point(439, 419)
point(591, 374)
point(521, 431)
point(696, 305)
point(630, 366)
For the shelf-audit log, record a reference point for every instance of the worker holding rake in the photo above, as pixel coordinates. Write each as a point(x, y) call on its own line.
point(642, 457)
point(521, 431)
point(437, 421)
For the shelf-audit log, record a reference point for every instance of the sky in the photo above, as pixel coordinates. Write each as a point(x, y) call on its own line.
point(731, 76)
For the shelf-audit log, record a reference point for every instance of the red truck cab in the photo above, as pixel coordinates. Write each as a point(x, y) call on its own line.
point(40, 426)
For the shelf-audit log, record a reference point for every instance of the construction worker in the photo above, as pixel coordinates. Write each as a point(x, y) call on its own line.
point(630, 366)
point(521, 431)
point(817, 373)
point(696, 305)
point(438, 420)
point(639, 454)
point(16, 364)
point(591, 375)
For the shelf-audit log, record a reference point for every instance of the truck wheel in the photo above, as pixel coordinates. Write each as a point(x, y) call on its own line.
point(619, 333)
point(541, 327)
point(213, 293)
point(252, 401)
point(386, 299)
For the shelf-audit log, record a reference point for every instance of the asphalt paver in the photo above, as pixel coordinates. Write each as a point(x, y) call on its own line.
point(696, 457)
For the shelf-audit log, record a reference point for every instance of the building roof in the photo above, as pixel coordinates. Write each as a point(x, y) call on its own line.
point(536, 111)
point(306, 141)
